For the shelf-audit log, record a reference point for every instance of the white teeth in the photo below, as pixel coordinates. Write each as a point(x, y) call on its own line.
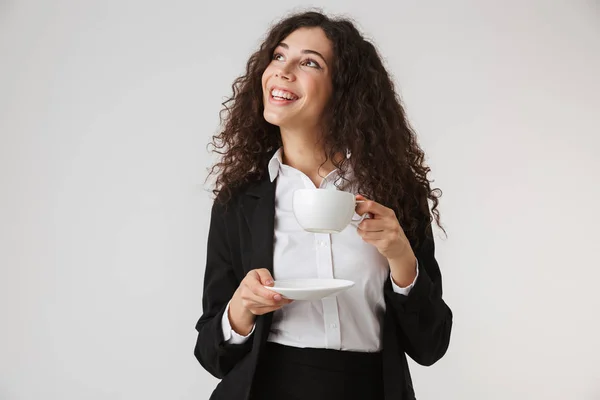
point(283, 94)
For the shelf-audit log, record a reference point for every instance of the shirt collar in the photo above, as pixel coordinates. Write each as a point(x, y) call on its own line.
point(277, 161)
point(275, 164)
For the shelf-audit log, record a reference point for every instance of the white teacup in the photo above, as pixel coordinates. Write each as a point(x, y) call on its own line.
point(325, 210)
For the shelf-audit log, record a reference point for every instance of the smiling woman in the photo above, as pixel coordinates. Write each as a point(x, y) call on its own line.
point(317, 109)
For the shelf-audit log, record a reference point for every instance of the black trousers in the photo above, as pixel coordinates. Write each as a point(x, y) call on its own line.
point(290, 373)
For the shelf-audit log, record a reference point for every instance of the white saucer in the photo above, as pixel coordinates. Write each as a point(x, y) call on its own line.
point(309, 289)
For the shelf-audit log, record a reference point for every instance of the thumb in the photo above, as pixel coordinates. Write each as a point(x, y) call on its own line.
point(265, 276)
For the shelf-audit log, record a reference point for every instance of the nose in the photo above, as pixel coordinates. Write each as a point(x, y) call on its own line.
point(284, 73)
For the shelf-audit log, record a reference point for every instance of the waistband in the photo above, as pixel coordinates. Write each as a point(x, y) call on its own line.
point(338, 360)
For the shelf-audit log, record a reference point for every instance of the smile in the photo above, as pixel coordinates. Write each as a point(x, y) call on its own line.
point(281, 94)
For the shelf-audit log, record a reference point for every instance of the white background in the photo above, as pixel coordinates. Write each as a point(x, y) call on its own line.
point(105, 111)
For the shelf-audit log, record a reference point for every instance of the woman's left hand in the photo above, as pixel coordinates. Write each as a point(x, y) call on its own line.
point(385, 233)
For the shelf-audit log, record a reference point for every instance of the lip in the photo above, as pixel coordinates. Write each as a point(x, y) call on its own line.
point(276, 102)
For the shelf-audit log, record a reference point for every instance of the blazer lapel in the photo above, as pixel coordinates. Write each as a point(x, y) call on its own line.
point(258, 208)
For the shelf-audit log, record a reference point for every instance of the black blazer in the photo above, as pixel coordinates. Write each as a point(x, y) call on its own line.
point(241, 239)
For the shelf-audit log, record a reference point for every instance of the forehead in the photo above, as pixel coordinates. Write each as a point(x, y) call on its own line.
point(310, 39)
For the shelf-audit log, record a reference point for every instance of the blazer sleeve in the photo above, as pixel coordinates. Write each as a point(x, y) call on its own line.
point(220, 283)
point(423, 318)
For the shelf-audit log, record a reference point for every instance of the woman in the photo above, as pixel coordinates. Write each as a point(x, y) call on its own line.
point(317, 108)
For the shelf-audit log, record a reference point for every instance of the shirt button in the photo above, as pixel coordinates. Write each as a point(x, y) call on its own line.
point(333, 326)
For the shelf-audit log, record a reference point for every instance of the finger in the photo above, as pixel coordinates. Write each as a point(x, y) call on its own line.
point(261, 302)
point(266, 310)
point(372, 207)
point(376, 243)
point(255, 285)
point(252, 301)
point(373, 225)
point(265, 276)
point(372, 235)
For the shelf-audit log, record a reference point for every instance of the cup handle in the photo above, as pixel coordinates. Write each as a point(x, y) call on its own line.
point(362, 217)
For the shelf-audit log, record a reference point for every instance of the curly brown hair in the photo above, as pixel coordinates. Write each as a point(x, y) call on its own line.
point(364, 116)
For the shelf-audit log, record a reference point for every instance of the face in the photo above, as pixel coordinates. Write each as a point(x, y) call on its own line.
point(300, 74)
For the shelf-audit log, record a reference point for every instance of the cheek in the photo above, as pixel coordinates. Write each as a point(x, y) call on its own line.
point(319, 91)
point(322, 95)
point(265, 76)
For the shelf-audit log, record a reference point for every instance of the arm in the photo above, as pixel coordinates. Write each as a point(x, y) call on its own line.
point(230, 335)
point(423, 318)
point(405, 290)
point(220, 283)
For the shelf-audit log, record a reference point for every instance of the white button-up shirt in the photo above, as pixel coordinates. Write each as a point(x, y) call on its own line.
point(349, 321)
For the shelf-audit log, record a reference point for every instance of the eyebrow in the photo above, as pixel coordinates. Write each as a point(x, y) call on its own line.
point(305, 51)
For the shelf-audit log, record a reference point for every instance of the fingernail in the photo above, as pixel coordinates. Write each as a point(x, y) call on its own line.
point(277, 297)
point(269, 282)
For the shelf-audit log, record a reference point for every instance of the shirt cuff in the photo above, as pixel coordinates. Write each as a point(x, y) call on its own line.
point(405, 290)
point(231, 336)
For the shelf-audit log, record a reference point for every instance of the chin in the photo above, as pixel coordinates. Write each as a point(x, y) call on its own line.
point(273, 119)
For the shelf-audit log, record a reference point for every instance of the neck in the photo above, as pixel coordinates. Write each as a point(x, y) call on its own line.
point(304, 151)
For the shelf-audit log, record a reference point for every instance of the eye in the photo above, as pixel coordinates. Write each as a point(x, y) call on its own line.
point(310, 60)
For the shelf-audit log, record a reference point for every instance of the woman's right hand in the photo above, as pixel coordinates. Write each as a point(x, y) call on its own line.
point(252, 299)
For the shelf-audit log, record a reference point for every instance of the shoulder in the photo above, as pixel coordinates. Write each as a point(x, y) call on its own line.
point(228, 200)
